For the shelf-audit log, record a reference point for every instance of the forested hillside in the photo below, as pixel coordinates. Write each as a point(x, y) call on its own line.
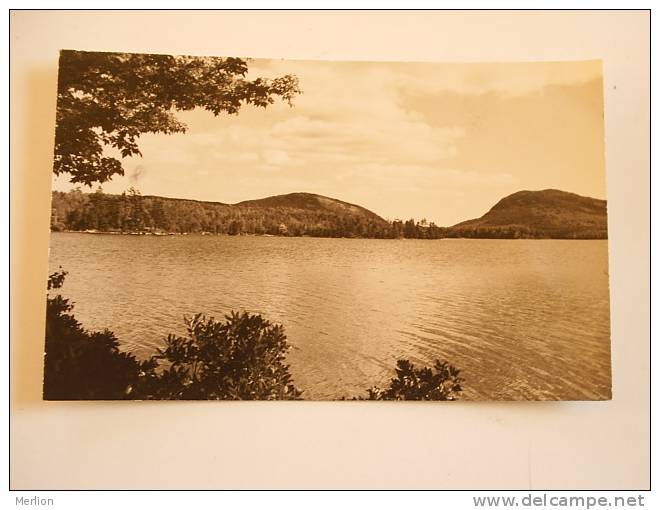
point(295, 214)
point(546, 214)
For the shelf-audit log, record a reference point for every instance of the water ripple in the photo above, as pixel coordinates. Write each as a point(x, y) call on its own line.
point(522, 319)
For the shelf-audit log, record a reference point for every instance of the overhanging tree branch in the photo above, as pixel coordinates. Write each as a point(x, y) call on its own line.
point(110, 99)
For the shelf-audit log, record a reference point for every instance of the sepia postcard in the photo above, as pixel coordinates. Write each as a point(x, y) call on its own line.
point(228, 228)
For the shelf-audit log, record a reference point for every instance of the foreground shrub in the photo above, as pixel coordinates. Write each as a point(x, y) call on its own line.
point(80, 365)
point(239, 359)
point(442, 382)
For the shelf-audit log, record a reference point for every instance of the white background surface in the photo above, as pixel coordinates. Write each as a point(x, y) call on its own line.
point(603, 445)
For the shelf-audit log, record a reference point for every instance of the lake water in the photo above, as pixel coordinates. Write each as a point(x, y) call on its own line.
point(522, 319)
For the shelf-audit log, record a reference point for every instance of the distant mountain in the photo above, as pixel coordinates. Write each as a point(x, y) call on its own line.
point(312, 203)
point(539, 214)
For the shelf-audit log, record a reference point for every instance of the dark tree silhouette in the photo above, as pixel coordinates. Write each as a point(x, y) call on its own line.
point(110, 99)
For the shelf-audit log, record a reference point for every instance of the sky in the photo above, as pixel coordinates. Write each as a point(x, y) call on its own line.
point(443, 142)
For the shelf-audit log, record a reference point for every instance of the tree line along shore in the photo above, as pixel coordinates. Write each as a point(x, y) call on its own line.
point(305, 214)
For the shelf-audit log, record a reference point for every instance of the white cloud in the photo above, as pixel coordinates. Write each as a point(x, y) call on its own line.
point(276, 157)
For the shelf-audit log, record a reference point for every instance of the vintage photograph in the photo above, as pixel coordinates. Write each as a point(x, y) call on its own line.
point(231, 228)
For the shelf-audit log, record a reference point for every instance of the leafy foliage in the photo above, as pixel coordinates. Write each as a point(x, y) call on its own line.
point(110, 99)
point(80, 365)
point(239, 359)
point(442, 382)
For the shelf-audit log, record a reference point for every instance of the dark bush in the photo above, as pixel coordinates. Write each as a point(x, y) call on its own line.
point(80, 365)
point(239, 359)
point(442, 382)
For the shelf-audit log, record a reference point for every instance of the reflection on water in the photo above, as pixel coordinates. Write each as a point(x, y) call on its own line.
point(523, 319)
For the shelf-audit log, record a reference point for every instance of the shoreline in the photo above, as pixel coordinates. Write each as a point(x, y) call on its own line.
point(211, 234)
